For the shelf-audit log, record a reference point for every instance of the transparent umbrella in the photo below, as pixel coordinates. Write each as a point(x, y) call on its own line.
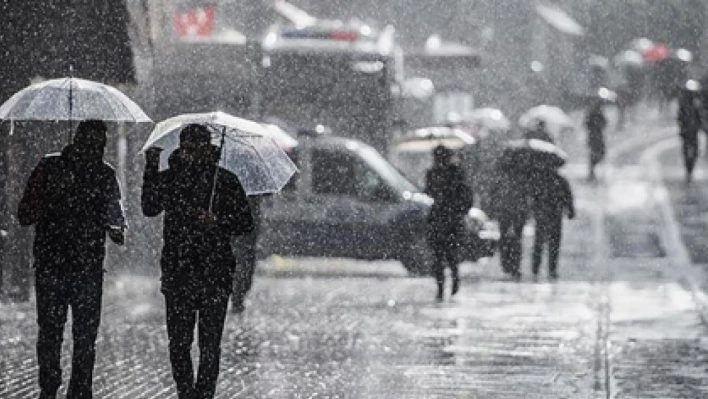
point(485, 122)
point(557, 121)
point(248, 149)
point(71, 99)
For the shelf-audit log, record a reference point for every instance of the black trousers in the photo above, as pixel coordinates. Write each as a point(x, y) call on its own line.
point(80, 289)
point(690, 150)
point(209, 314)
point(549, 230)
point(510, 245)
point(445, 255)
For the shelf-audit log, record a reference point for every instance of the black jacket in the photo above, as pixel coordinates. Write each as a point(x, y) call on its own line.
point(197, 257)
point(73, 202)
point(452, 196)
point(551, 196)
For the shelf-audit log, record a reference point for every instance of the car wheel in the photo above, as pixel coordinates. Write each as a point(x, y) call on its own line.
point(418, 258)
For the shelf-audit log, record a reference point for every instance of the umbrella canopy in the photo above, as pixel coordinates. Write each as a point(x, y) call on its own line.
point(71, 99)
point(528, 154)
point(280, 136)
point(629, 58)
point(485, 121)
point(426, 139)
point(248, 149)
point(656, 53)
point(557, 121)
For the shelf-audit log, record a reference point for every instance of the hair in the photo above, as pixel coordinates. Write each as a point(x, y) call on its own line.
point(442, 153)
point(195, 133)
point(87, 129)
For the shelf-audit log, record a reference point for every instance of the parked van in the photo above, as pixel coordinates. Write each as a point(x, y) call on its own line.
point(349, 201)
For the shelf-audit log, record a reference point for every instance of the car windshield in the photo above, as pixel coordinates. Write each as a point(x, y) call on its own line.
point(387, 171)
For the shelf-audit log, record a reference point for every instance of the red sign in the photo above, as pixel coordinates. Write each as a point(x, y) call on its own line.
point(197, 22)
point(656, 53)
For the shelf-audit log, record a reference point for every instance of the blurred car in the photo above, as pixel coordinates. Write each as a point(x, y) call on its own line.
point(349, 201)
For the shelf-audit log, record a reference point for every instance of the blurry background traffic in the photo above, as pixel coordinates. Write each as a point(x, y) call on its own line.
point(380, 73)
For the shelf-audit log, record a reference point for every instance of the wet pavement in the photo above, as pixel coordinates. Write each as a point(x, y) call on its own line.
point(625, 320)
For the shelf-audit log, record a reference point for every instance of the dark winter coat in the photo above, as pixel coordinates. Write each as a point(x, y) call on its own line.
point(595, 122)
point(197, 257)
point(452, 200)
point(688, 117)
point(73, 202)
point(551, 196)
point(511, 197)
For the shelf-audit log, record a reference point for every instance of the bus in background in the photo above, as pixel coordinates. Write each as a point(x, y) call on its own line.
point(341, 75)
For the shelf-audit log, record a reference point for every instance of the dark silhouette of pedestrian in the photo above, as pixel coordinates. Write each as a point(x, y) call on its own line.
point(73, 199)
point(511, 208)
point(445, 183)
point(205, 206)
point(689, 121)
point(552, 198)
point(246, 251)
point(595, 123)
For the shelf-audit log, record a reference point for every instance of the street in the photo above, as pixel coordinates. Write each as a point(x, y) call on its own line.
point(626, 319)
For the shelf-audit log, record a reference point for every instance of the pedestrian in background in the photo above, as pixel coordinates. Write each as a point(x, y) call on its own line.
point(205, 206)
point(73, 199)
point(689, 122)
point(595, 123)
point(552, 198)
point(445, 183)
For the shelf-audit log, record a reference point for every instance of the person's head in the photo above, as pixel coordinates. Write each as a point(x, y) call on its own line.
point(90, 139)
point(540, 125)
point(442, 155)
point(195, 144)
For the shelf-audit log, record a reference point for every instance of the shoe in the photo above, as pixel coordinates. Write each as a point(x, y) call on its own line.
point(455, 286)
point(553, 275)
point(439, 297)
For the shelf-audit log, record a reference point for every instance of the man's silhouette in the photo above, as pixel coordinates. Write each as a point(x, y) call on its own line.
point(205, 206)
point(73, 199)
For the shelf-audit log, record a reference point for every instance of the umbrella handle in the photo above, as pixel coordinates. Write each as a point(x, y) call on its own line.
point(71, 99)
point(212, 194)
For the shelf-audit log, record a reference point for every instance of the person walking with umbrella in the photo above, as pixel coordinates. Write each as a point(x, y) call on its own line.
point(445, 183)
point(595, 122)
point(205, 206)
point(73, 199)
point(552, 198)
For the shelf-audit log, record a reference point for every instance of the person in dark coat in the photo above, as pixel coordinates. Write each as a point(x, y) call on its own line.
point(595, 123)
point(552, 198)
point(689, 122)
point(445, 183)
point(510, 206)
point(73, 199)
point(197, 263)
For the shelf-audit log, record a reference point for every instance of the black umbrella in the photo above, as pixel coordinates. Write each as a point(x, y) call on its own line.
point(532, 154)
